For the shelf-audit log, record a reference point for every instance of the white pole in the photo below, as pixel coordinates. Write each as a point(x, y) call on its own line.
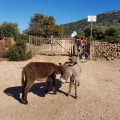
point(73, 46)
point(90, 40)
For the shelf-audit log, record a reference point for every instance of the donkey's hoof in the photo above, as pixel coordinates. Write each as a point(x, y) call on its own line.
point(45, 91)
point(24, 102)
point(68, 94)
point(76, 97)
point(54, 92)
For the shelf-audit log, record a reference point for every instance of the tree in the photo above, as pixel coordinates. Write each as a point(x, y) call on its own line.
point(43, 26)
point(79, 35)
point(112, 31)
point(58, 31)
point(98, 32)
point(9, 30)
point(87, 32)
point(23, 37)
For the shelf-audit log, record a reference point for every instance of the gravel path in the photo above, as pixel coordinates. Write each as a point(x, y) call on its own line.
point(98, 94)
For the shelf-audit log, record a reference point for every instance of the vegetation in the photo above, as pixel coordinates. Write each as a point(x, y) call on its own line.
point(109, 34)
point(79, 35)
point(44, 26)
point(104, 19)
point(23, 37)
point(107, 28)
point(17, 52)
point(9, 30)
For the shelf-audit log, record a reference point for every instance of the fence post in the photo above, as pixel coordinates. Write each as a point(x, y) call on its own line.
point(29, 39)
point(52, 44)
point(73, 46)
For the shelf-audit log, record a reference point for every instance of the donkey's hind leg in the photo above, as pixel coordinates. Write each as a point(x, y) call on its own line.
point(76, 88)
point(27, 88)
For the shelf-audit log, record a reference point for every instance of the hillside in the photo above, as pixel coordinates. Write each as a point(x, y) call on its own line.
point(112, 17)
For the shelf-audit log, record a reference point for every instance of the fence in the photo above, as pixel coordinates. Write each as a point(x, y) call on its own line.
point(51, 45)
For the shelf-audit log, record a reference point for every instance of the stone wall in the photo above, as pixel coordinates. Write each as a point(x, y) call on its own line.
point(5, 42)
point(2, 48)
point(105, 50)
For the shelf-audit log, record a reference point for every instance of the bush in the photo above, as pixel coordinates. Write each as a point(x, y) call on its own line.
point(112, 31)
point(108, 39)
point(17, 52)
point(29, 55)
point(23, 37)
point(111, 40)
point(79, 35)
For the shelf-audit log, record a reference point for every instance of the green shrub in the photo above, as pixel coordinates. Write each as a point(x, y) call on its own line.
point(79, 35)
point(17, 52)
point(29, 55)
point(112, 39)
point(23, 37)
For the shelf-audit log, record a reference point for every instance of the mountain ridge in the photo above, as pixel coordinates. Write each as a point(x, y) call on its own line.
point(111, 17)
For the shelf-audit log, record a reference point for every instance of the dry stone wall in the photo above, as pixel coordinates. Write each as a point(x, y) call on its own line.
point(5, 42)
point(105, 50)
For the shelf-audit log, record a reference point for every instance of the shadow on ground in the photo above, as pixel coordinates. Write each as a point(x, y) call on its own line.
point(37, 89)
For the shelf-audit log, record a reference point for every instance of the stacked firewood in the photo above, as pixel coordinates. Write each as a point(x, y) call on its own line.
point(105, 50)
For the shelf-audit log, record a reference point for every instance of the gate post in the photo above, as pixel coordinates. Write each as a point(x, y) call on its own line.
point(29, 39)
point(73, 46)
point(73, 36)
point(52, 44)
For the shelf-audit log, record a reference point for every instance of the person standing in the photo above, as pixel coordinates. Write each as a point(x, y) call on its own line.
point(80, 44)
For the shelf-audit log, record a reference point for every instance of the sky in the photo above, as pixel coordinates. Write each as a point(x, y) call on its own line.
point(64, 11)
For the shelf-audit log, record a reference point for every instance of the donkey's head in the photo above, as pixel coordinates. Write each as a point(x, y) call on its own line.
point(73, 59)
point(66, 72)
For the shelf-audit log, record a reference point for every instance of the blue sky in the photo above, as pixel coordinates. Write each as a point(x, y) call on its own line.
point(64, 11)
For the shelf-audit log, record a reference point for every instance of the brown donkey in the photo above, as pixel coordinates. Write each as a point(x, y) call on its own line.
point(38, 71)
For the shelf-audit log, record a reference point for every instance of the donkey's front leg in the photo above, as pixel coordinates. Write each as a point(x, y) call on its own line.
point(47, 85)
point(53, 82)
point(76, 88)
point(71, 84)
point(78, 82)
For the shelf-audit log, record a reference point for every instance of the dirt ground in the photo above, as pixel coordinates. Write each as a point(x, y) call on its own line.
point(98, 93)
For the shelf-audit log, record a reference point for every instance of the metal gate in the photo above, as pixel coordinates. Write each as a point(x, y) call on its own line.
point(53, 46)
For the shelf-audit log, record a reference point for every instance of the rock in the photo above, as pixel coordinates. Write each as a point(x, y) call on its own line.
point(112, 58)
point(108, 59)
point(104, 49)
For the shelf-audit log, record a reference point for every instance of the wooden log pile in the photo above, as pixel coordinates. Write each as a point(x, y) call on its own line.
point(105, 50)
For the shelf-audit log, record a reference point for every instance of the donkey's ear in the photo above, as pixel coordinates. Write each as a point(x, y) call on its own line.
point(70, 65)
point(75, 63)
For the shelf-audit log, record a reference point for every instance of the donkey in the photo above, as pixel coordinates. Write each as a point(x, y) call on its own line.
point(38, 71)
point(71, 70)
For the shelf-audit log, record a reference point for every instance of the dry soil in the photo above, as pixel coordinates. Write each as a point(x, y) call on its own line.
point(98, 93)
